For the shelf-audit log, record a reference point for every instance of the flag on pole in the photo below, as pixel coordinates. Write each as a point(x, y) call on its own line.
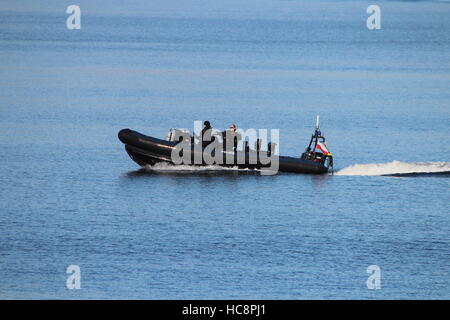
point(322, 147)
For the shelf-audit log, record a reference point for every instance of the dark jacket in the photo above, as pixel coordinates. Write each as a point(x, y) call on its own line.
point(205, 135)
point(230, 135)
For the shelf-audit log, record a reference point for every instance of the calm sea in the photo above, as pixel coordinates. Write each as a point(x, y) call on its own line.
point(70, 195)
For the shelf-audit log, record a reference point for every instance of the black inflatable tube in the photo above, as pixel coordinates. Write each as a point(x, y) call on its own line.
point(146, 150)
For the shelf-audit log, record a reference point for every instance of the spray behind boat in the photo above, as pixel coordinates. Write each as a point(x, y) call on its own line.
point(317, 150)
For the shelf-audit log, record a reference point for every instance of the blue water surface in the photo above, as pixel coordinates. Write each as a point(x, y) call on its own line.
point(70, 195)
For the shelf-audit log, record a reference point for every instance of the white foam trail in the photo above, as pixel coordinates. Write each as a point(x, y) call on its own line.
point(165, 167)
point(394, 167)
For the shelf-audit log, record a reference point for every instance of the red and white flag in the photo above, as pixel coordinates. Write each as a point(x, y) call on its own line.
point(322, 147)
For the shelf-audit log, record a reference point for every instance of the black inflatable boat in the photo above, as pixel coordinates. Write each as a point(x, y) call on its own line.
point(146, 150)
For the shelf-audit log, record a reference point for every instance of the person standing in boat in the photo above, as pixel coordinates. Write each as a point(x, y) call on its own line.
point(206, 134)
point(233, 135)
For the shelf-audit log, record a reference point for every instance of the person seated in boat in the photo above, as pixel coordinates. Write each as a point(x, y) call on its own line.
point(231, 134)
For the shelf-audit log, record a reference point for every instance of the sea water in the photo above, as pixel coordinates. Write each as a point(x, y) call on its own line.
point(70, 195)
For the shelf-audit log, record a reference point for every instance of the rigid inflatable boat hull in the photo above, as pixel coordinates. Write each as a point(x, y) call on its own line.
point(146, 150)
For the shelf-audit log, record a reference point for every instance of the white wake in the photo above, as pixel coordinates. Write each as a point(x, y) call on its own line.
point(394, 167)
point(165, 167)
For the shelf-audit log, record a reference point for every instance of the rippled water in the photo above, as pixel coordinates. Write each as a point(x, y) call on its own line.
point(71, 195)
